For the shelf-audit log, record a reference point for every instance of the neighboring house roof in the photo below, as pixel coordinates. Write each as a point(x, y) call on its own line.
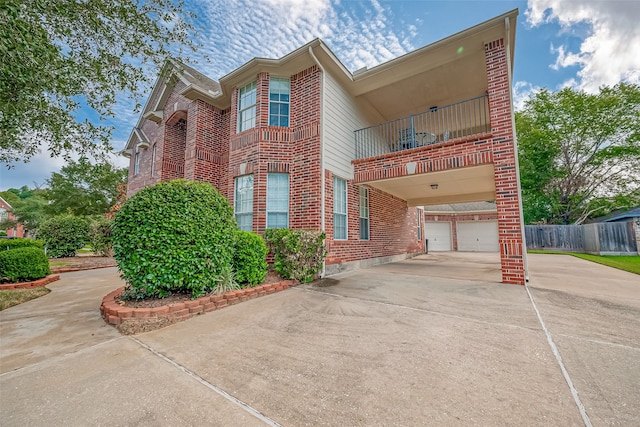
point(617, 216)
point(4, 202)
point(461, 208)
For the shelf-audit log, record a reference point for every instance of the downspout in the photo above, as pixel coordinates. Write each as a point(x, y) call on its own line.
point(322, 179)
point(507, 26)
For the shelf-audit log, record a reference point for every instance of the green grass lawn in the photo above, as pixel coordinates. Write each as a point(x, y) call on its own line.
point(623, 262)
point(57, 263)
point(11, 297)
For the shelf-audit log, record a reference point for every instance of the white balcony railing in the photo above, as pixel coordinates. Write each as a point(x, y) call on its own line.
point(439, 124)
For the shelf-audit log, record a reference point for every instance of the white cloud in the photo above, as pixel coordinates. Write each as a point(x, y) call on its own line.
point(523, 91)
point(609, 54)
point(359, 34)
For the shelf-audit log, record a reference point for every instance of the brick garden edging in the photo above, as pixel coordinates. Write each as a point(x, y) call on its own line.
point(34, 284)
point(115, 314)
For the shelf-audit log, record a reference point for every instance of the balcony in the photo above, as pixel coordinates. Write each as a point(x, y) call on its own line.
point(438, 124)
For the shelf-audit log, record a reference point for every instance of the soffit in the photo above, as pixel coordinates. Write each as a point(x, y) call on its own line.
point(469, 184)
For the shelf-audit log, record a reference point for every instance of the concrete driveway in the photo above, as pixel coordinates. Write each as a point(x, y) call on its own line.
point(429, 341)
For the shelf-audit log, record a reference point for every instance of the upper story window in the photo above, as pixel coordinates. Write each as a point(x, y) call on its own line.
point(247, 107)
point(339, 209)
point(3, 214)
point(153, 161)
point(278, 200)
point(279, 90)
point(136, 164)
point(244, 202)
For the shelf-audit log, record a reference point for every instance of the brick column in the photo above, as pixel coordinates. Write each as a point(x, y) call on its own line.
point(504, 159)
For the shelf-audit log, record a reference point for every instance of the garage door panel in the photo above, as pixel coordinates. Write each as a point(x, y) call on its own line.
point(439, 235)
point(477, 236)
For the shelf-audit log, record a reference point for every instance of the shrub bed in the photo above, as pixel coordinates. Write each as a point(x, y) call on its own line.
point(101, 236)
point(174, 237)
point(23, 264)
point(63, 235)
point(298, 254)
point(249, 258)
point(9, 244)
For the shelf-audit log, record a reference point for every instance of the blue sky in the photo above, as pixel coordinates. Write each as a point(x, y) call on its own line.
point(583, 44)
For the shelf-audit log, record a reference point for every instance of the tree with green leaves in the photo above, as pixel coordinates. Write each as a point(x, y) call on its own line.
point(60, 56)
point(579, 153)
point(83, 188)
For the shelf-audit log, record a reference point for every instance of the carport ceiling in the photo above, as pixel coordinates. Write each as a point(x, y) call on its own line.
point(470, 184)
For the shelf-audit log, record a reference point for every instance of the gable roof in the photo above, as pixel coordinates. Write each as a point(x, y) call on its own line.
point(316, 52)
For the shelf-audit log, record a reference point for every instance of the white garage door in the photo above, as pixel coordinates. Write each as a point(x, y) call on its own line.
point(478, 236)
point(439, 235)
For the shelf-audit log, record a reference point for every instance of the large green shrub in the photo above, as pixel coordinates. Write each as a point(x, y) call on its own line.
point(249, 258)
point(23, 264)
point(298, 254)
point(8, 244)
point(63, 235)
point(101, 236)
point(173, 237)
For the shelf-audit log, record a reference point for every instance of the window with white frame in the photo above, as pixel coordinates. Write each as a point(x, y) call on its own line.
point(364, 213)
point(136, 163)
point(153, 160)
point(3, 214)
point(419, 226)
point(278, 200)
point(279, 90)
point(243, 205)
point(247, 107)
point(339, 208)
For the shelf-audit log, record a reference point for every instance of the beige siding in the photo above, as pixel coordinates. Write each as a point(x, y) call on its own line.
point(343, 115)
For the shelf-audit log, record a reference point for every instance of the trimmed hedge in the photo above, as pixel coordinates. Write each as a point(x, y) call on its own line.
point(250, 258)
point(24, 264)
point(8, 244)
point(173, 237)
point(298, 254)
point(101, 236)
point(63, 235)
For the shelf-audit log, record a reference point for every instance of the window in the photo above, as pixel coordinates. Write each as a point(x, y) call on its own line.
point(247, 107)
point(153, 161)
point(339, 209)
point(136, 165)
point(364, 213)
point(419, 226)
point(244, 202)
point(277, 200)
point(278, 102)
point(3, 214)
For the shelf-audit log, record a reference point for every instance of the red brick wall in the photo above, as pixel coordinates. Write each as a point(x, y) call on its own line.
point(207, 148)
point(294, 150)
point(393, 226)
point(495, 148)
point(505, 168)
point(454, 218)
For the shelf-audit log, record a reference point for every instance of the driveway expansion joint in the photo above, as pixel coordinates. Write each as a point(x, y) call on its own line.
point(245, 406)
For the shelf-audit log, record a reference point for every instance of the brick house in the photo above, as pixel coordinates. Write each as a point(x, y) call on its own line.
point(301, 142)
point(6, 213)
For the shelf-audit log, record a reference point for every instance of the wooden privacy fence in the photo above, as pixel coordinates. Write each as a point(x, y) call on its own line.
point(601, 238)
